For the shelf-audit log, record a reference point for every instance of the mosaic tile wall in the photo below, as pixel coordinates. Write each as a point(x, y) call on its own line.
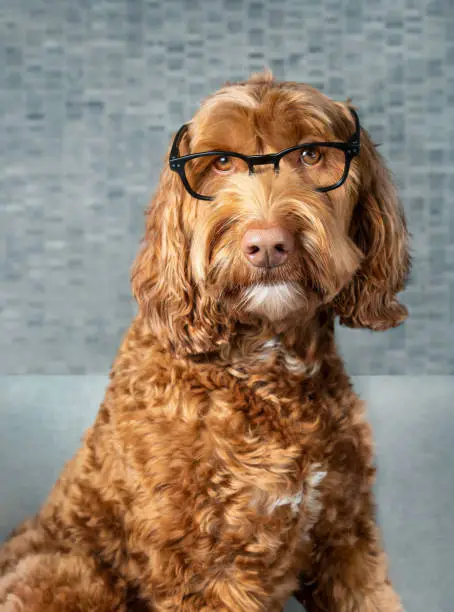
point(90, 91)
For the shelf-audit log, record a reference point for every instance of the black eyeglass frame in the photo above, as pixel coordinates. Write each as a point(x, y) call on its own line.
point(351, 149)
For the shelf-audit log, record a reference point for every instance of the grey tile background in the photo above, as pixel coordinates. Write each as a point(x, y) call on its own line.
point(90, 91)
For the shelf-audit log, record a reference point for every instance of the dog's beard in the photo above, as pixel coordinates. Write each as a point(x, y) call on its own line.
point(309, 280)
point(272, 297)
point(275, 294)
point(274, 302)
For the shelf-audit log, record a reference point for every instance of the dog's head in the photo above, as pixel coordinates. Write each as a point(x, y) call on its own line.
point(270, 225)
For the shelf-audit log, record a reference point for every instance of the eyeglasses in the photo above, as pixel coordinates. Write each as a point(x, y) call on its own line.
point(324, 165)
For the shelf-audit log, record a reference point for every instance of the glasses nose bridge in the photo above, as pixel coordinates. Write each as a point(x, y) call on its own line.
point(263, 160)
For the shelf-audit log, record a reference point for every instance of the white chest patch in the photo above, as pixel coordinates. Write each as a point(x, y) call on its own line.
point(310, 498)
point(313, 498)
point(294, 502)
point(293, 363)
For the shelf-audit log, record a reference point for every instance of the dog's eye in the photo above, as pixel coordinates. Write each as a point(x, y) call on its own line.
point(223, 164)
point(311, 156)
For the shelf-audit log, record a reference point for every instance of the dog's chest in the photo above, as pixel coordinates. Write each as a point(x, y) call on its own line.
point(259, 435)
point(261, 475)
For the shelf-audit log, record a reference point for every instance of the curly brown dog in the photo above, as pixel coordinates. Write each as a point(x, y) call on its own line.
point(230, 464)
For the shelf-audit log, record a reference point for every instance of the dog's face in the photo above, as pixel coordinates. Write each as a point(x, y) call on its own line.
point(271, 244)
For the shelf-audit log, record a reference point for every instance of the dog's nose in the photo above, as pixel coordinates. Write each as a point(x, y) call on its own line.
point(267, 247)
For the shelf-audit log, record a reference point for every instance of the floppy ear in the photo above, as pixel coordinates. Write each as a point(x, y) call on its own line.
point(183, 319)
point(378, 228)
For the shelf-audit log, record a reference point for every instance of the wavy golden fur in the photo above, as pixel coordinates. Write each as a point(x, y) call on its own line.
point(230, 463)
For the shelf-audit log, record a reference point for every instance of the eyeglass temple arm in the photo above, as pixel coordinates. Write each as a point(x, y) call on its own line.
point(355, 139)
point(174, 152)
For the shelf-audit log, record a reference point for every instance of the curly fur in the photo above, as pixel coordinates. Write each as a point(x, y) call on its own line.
point(230, 463)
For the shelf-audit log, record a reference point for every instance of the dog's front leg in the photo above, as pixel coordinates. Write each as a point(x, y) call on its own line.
point(347, 570)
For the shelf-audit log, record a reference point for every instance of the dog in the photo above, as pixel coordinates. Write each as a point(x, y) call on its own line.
point(231, 464)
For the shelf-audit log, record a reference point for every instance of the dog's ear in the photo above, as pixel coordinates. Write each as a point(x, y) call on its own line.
point(183, 319)
point(378, 228)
